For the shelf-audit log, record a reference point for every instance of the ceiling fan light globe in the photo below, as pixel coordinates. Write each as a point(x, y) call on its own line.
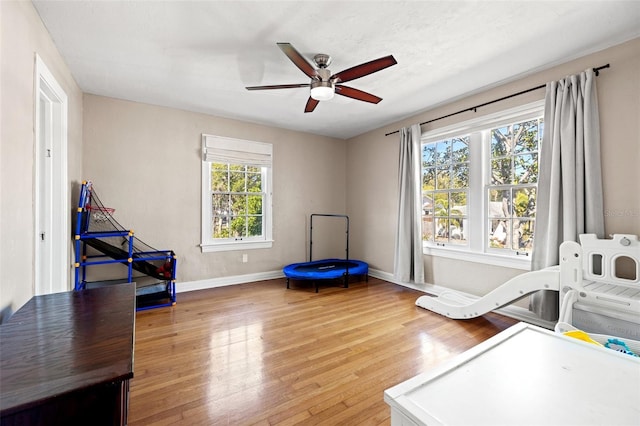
point(322, 93)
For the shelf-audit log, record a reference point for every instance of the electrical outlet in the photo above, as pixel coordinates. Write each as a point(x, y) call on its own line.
point(245, 258)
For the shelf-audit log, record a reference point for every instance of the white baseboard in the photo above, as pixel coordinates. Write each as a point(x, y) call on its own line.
point(515, 312)
point(225, 281)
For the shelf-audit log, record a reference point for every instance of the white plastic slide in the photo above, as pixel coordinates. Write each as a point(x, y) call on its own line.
point(589, 279)
point(453, 305)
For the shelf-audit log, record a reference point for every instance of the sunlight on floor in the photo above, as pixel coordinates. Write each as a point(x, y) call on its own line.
point(236, 363)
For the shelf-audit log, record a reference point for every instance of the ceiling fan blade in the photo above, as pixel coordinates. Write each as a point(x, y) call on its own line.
point(298, 59)
point(278, 86)
point(350, 92)
point(311, 105)
point(364, 69)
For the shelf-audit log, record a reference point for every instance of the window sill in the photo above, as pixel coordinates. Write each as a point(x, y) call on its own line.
point(236, 245)
point(486, 258)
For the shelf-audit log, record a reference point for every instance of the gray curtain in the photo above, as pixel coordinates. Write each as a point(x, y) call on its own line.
point(569, 199)
point(408, 263)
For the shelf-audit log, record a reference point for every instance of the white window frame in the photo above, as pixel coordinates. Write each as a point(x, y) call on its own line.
point(236, 151)
point(476, 250)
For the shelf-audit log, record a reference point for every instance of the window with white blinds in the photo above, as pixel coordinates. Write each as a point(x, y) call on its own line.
point(236, 194)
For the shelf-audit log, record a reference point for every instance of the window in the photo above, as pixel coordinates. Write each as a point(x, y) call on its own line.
point(511, 193)
point(236, 194)
point(479, 183)
point(445, 185)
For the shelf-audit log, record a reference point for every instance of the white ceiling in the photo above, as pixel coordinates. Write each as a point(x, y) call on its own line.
point(199, 55)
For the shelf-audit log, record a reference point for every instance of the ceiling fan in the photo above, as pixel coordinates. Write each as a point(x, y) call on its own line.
point(324, 84)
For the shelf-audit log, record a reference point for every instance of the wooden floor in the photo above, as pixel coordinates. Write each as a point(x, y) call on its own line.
point(261, 354)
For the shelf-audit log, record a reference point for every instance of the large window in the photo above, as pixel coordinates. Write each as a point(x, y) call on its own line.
point(479, 183)
point(236, 196)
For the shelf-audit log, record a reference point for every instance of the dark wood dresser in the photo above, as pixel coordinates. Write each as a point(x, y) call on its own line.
point(67, 358)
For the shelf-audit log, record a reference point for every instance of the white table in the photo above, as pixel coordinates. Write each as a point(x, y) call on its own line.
point(525, 375)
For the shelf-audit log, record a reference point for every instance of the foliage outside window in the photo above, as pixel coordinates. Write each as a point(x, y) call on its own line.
point(511, 194)
point(479, 184)
point(236, 196)
point(237, 199)
point(445, 187)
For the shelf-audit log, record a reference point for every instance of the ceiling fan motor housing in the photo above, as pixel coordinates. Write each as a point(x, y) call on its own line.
point(323, 74)
point(317, 83)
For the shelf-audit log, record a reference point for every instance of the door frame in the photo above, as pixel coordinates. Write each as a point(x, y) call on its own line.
point(57, 210)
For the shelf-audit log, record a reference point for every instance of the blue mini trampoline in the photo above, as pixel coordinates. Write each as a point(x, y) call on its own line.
point(326, 269)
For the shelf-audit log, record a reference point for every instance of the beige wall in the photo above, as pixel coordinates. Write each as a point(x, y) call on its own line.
point(373, 165)
point(22, 35)
point(145, 161)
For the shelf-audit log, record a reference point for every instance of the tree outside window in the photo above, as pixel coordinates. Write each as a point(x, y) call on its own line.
point(511, 194)
point(237, 200)
point(445, 185)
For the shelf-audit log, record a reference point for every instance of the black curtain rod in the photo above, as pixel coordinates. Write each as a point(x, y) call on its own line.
point(596, 70)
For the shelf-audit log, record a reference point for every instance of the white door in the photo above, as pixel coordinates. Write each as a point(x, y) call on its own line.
point(52, 238)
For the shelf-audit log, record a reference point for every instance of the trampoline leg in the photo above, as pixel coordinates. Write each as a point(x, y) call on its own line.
point(287, 282)
point(316, 286)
